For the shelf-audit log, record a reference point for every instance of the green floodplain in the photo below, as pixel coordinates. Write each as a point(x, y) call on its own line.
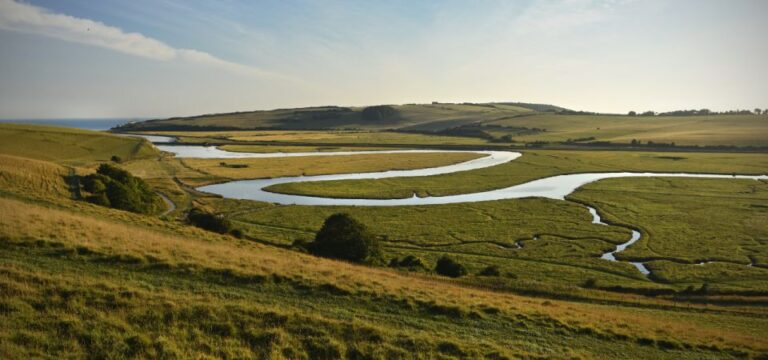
point(90, 280)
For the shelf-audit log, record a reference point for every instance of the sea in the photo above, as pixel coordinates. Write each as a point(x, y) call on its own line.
point(87, 124)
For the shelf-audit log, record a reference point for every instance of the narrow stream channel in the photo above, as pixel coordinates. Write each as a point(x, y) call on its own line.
point(610, 256)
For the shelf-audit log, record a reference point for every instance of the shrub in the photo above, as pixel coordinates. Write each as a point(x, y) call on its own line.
point(94, 183)
point(116, 159)
point(590, 283)
point(343, 237)
point(411, 262)
point(117, 188)
point(449, 267)
point(100, 199)
point(491, 270)
point(208, 221)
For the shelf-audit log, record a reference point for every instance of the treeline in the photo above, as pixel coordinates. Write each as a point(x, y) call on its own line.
point(701, 112)
point(635, 143)
point(116, 188)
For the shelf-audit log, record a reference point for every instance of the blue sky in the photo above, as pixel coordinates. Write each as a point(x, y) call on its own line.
point(156, 58)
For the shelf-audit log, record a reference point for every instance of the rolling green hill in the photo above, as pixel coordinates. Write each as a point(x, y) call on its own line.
point(70, 146)
point(430, 117)
point(491, 124)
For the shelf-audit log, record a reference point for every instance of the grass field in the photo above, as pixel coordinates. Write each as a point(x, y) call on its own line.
point(254, 168)
point(69, 146)
point(290, 149)
point(532, 165)
point(741, 130)
point(89, 281)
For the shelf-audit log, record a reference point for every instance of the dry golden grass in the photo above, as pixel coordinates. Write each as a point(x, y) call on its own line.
point(20, 221)
point(32, 177)
point(320, 165)
point(69, 146)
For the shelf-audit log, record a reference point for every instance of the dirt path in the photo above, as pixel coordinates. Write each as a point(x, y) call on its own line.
point(170, 204)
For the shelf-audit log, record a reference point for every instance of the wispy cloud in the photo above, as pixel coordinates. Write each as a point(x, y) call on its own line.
point(22, 17)
point(553, 16)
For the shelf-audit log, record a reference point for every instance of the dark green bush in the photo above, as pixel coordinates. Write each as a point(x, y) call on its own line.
point(117, 188)
point(590, 283)
point(116, 159)
point(410, 262)
point(94, 183)
point(99, 199)
point(491, 270)
point(343, 237)
point(208, 221)
point(449, 267)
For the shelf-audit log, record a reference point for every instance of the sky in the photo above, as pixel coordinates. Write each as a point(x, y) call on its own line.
point(162, 58)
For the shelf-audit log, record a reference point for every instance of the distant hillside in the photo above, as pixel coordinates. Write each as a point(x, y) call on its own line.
point(70, 146)
point(433, 117)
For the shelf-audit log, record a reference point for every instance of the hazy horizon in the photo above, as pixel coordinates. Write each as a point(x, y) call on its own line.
point(80, 59)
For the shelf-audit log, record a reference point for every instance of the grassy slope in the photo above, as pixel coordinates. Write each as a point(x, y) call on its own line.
point(69, 146)
point(424, 117)
point(533, 165)
point(91, 281)
point(320, 165)
point(743, 130)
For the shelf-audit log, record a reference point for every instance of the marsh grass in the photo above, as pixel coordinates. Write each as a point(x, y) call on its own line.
point(532, 165)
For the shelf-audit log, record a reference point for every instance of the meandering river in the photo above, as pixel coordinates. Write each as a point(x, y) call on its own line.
point(554, 187)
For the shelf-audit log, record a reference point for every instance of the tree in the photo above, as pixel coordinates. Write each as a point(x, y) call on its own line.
point(632, 113)
point(758, 111)
point(449, 267)
point(343, 237)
